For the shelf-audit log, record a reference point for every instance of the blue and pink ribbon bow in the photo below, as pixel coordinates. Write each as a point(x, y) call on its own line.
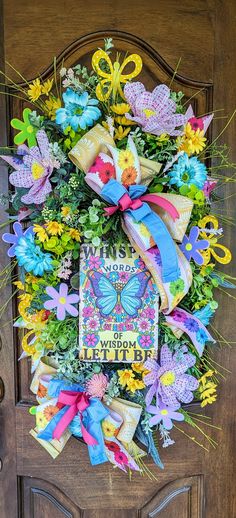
point(91, 412)
point(133, 202)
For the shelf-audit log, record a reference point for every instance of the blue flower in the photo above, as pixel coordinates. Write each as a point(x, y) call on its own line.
point(113, 276)
point(14, 238)
point(79, 111)
point(191, 325)
point(31, 257)
point(201, 336)
point(188, 171)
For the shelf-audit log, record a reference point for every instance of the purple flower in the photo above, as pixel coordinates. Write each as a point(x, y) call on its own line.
point(191, 245)
point(168, 380)
point(148, 313)
point(62, 301)
point(164, 413)
point(208, 187)
point(33, 170)
point(145, 341)
point(156, 253)
point(87, 311)
point(91, 340)
point(191, 325)
point(14, 238)
point(178, 315)
point(156, 111)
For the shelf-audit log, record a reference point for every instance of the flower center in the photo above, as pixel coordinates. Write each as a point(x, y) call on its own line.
point(62, 300)
point(30, 129)
point(149, 112)
point(164, 412)
point(185, 176)
point(37, 171)
point(167, 378)
point(188, 246)
point(78, 111)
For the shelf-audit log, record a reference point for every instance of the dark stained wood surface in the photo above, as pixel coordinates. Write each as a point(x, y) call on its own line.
point(194, 484)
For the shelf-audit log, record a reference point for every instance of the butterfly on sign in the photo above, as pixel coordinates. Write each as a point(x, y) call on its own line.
point(128, 295)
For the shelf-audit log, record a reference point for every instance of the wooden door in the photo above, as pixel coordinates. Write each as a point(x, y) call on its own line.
point(195, 483)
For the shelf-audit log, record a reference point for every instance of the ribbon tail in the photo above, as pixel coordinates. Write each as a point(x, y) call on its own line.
point(88, 438)
point(161, 202)
point(166, 246)
point(197, 332)
point(64, 422)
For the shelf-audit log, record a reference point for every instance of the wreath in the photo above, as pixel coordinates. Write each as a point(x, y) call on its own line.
point(115, 248)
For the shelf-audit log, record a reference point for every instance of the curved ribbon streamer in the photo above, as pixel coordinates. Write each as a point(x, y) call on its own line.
point(130, 201)
point(188, 323)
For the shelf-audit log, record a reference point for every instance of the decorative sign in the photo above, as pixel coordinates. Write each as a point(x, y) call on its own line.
point(118, 306)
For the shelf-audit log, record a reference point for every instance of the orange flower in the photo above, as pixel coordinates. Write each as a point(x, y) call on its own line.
point(42, 391)
point(50, 411)
point(129, 176)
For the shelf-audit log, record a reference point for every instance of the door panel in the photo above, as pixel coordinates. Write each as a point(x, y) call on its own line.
point(34, 485)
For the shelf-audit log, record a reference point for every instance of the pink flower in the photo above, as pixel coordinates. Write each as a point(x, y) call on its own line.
point(129, 326)
point(124, 276)
point(97, 385)
point(107, 327)
point(33, 168)
point(196, 123)
point(155, 112)
point(91, 340)
point(93, 323)
point(95, 262)
point(97, 164)
point(144, 325)
point(148, 313)
point(145, 341)
point(208, 187)
point(120, 457)
point(87, 311)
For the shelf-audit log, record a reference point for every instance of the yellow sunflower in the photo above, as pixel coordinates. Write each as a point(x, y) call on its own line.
point(47, 86)
point(40, 233)
point(53, 104)
point(74, 233)
point(108, 429)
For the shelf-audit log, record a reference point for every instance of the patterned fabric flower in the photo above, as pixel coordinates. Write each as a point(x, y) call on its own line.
point(97, 385)
point(188, 171)
point(62, 301)
point(31, 257)
point(191, 245)
point(27, 131)
point(156, 111)
point(33, 168)
point(79, 111)
point(168, 380)
point(164, 414)
point(14, 238)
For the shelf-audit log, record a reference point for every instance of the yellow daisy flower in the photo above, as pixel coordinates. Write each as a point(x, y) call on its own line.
point(135, 384)
point(53, 104)
point(74, 233)
point(192, 141)
point(35, 90)
point(121, 133)
point(120, 108)
point(47, 86)
point(41, 233)
point(124, 376)
point(139, 368)
point(108, 429)
point(126, 158)
point(65, 211)
point(121, 119)
point(54, 228)
point(19, 285)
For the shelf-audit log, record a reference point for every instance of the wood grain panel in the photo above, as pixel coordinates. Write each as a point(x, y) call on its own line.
point(177, 29)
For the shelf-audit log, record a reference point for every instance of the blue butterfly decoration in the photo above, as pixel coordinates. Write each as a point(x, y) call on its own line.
point(108, 295)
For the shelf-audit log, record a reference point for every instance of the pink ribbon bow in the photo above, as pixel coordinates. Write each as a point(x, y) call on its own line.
point(77, 403)
point(125, 203)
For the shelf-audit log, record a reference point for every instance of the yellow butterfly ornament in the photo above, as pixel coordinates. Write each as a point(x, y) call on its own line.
point(111, 84)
